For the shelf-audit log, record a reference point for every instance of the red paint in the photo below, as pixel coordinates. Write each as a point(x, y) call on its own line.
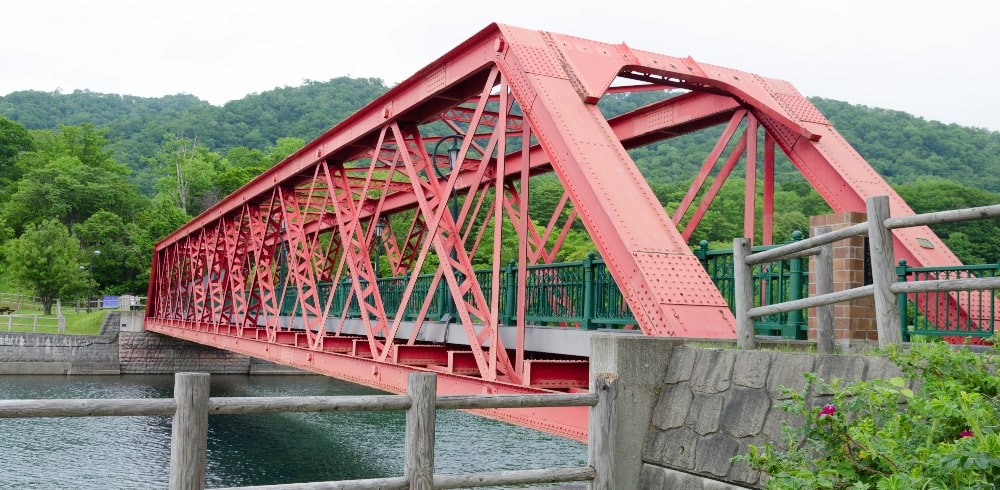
point(522, 104)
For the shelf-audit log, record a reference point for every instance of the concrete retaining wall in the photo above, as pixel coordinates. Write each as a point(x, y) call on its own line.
point(713, 403)
point(122, 348)
point(27, 353)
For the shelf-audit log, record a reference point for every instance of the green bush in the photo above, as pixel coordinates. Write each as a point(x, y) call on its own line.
point(881, 434)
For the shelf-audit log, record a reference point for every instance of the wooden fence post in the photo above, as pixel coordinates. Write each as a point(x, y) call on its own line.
point(742, 293)
point(420, 419)
point(883, 271)
point(189, 431)
point(601, 432)
point(824, 285)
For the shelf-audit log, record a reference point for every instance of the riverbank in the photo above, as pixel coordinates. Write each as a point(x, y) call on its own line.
point(122, 347)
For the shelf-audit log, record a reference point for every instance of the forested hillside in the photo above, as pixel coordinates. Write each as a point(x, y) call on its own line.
point(115, 173)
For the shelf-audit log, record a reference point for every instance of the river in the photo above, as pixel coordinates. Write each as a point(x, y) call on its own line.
point(134, 452)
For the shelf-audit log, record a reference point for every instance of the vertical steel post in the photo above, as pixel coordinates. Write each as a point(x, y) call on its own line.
point(702, 254)
point(901, 301)
point(588, 293)
point(510, 294)
point(795, 288)
point(378, 246)
point(453, 208)
point(90, 276)
point(446, 304)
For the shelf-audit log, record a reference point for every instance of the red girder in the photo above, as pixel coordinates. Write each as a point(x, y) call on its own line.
point(568, 422)
point(521, 103)
point(464, 115)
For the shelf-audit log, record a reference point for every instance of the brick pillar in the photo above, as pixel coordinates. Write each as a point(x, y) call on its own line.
point(853, 322)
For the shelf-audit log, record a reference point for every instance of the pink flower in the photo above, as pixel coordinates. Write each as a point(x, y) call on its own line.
point(827, 410)
point(966, 433)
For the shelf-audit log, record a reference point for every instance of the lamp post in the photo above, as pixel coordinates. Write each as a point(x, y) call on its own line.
point(378, 245)
point(90, 276)
point(82, 268)
point(453, 163)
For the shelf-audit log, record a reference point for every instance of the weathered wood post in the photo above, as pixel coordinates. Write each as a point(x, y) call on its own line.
point(742, 293)
point(189, 431)
point(601, 432)
point(883, 271)
point(824, 314)
point(420, 420)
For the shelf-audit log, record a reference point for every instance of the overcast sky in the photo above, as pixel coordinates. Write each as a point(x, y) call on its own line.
point(939, 60)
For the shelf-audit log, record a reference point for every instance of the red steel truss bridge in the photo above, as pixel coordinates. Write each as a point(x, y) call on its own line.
point(504, 106)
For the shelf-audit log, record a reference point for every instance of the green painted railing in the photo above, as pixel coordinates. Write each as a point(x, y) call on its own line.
point(568, 293)
point(774, 282)
point(578, 293)
point(941, 316)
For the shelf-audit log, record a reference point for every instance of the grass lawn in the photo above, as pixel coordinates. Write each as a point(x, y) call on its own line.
point(83, 323)
point(76, 323)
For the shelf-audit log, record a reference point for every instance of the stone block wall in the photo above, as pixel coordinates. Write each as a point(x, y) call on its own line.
point(714, 403)
point(151, 353)
point(123, 347)
point(29, 353)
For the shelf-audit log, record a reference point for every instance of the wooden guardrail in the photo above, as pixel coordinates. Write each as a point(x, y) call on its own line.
point(18, 299)
point(37, 323)
point(883, 287)
point(191, 407)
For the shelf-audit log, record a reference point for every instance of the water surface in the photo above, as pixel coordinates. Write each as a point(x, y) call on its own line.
point(134, 452)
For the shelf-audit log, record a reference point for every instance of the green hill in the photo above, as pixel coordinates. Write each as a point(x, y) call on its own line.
point(119, 171)
point(901, 147)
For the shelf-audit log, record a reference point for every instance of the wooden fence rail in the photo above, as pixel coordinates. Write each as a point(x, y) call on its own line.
point(37, 323)
point(191, 407)
point(884, 288)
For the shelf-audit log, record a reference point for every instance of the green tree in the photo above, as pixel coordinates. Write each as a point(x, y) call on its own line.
point(974, 242)
point(125, 252)
point(243, 164)
point(70, 191)
point(14, 140)
point(161, 218)
point(188, 174)
point(46, 258)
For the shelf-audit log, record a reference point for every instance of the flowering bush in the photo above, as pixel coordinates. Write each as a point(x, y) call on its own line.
point(883, 435)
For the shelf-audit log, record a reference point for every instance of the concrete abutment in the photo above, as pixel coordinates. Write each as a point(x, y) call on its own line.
point(683, 412)
point(122, 347)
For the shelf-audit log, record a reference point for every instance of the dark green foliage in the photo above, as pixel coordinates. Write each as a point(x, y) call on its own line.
point(45, 259)
point(905, 148)
point(69, 176)
point(138, 124)
point(136, 168)
point(14, 140)
point(975, 242)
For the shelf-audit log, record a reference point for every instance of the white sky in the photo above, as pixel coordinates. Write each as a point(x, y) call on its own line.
point(938, 60)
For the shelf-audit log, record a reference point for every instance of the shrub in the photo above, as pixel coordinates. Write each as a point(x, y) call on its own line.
point(881, 434)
